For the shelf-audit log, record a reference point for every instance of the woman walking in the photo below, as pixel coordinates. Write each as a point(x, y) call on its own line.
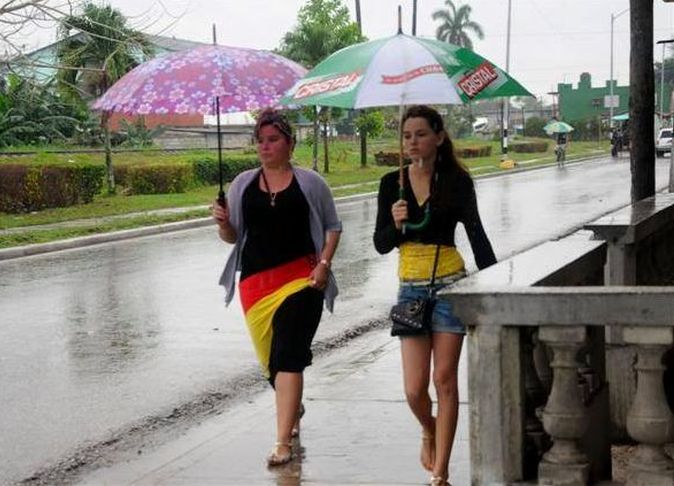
point(285, 230)
point(434, 181)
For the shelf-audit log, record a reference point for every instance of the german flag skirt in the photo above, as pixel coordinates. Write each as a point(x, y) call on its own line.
point(282, 313)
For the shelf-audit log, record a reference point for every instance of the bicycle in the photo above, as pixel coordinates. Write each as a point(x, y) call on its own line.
point(560, 153)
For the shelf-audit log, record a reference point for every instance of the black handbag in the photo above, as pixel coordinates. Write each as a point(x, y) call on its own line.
point(414, 318)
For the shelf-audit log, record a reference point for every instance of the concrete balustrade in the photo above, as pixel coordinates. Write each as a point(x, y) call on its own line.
point(583, 302)
point(509, 371)
point(639, 240)
point(560, 313)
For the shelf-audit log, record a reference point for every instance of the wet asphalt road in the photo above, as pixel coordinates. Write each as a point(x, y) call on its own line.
point(94, 339)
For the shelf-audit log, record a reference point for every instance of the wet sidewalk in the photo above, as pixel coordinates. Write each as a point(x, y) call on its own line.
point(357, 430)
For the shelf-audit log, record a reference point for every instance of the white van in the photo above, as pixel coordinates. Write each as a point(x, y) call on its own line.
point(664, 142)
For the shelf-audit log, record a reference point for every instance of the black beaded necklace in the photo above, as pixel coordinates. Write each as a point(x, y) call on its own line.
point(272, 195)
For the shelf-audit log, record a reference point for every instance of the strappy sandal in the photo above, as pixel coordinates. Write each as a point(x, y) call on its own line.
point(428, 440)
point(296, 429)
point(277, 459)
point(438, 481)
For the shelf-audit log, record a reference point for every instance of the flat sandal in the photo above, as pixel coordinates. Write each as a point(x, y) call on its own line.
point(276, 459)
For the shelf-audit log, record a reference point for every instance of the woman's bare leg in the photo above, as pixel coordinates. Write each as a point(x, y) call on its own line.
point(416, 359)
point(288, 388)
point(446, 352)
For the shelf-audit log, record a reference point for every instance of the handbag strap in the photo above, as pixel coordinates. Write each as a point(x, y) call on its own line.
point(431, 291)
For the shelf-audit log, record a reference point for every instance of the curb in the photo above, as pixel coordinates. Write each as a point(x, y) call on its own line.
point(70, 243)
point(82, 241)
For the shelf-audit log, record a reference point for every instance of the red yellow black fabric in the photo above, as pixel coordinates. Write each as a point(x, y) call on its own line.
point(263, 293)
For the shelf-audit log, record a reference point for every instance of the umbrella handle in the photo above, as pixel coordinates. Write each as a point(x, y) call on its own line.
point(421, 224)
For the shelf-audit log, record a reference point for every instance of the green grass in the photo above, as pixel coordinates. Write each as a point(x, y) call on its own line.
point(345, 170)
point(43, 236)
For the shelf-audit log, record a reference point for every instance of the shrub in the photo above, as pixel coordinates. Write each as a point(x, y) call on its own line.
point(529, 147)
point(158, 178)
point(206, 169)
point(31, 188)
point(473, 152)
point(389, 158)
point(121, 174)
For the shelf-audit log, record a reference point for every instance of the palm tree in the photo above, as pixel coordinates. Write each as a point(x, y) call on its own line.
point(324, 26)
point(106, 49)
point(455, 22)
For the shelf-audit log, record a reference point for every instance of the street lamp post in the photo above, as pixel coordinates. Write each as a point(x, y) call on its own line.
point(506, 111)
point(610, 104)
point(662, 104)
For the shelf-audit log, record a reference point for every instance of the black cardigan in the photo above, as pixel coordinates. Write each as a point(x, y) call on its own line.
point(453, 200)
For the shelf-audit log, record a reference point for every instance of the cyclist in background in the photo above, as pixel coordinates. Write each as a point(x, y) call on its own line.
point(560, 149)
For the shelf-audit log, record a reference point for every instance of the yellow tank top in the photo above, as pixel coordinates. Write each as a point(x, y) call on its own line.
point(416, 262)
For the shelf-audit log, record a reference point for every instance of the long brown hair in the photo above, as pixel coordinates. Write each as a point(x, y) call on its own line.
point(447, 159)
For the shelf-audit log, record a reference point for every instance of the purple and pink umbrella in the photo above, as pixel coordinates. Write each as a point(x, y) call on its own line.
point(209, 80)
point(189, 81)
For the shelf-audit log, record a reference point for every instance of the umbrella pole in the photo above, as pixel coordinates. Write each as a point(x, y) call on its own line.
point(401, 172)
point(221, 192)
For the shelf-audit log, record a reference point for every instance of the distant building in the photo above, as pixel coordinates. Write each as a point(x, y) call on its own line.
point(40, 65)
point(586, 102)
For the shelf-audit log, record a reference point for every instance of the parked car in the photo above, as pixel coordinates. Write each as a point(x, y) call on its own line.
point(664, 142)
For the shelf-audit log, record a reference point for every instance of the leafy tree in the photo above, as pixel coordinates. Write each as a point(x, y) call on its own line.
point(137, 134)
point(90, 63)
point(32, 113)
point(455, 24)
point(534, 127)
point(370, 123)
point(459, 121)
point(323, 27)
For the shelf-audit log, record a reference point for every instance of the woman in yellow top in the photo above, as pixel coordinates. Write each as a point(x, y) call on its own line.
point(437, 181)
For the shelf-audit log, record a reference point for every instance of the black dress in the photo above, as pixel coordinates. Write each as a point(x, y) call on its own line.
point(278, 255)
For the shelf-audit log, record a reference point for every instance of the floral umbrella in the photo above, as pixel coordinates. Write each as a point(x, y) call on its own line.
point(209, 80)
point(402, 70)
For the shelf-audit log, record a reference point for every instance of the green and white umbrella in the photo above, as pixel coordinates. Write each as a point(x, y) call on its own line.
point(558, 127)
point(402, 70)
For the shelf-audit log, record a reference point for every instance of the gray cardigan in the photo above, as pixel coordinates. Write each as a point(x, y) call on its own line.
point(322, 218)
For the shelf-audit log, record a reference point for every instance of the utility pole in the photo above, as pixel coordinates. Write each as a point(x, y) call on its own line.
point(610, 88)
point(642, 100)
point(662, 109)
point(506, 111)
point(358, 21)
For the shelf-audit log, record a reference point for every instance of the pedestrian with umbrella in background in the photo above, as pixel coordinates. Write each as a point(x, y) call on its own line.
point(419, 205)
point(560, 130)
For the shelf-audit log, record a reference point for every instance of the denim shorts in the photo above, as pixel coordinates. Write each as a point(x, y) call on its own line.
point(443, 319)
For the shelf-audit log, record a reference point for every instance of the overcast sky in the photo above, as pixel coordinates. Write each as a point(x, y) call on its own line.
point(552, 41)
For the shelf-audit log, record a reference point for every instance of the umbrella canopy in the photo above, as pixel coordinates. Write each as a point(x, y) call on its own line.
point(558, 127)
point(189, 81)
point(402, 70)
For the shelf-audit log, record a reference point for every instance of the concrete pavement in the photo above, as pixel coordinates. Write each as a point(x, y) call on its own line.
point(357, 430)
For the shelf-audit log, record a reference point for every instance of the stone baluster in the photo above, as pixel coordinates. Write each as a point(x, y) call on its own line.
point(536, 441)
point(650, 421)
point(565, 418)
